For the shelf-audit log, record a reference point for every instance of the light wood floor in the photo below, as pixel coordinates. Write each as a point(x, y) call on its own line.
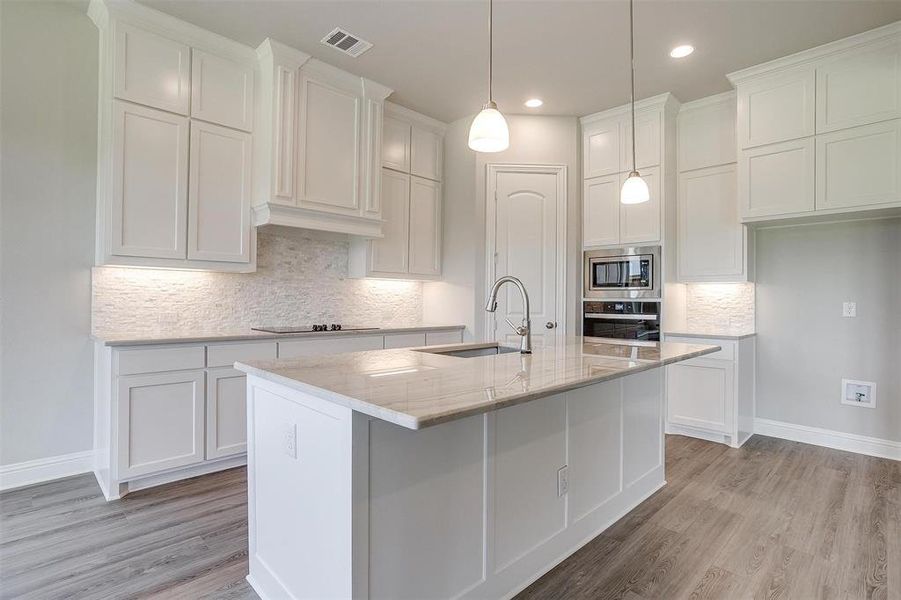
point(774, 519)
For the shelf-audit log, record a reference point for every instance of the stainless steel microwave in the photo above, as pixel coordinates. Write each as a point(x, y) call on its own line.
point(622, 273)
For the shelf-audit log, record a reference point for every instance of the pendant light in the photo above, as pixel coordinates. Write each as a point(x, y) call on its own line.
point(488, 132)
point(635, 190)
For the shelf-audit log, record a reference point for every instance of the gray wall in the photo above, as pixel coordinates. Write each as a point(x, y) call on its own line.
point(805, 347)
point(48, 108)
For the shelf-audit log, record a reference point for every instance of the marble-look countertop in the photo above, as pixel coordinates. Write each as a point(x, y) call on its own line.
point(415, 388)
point(197, 337)
point(723, 334)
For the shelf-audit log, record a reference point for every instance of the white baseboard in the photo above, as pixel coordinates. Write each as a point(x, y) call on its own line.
point(204, 468)
point(710, 436)
point(45, 469)
point(839, 440)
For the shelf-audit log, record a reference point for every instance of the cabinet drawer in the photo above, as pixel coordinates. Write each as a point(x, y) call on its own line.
point(337, 345)
point(727, 351)
point(405, 340)
point(439, 338)
point(150, 360)
point(225, 355)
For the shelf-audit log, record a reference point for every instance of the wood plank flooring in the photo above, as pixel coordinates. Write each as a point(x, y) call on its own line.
point(774, 519)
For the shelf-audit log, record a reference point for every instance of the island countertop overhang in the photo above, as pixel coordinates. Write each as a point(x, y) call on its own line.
point(421, 387)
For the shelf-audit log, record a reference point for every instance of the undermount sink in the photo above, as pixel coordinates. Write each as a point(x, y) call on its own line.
point(473, 352)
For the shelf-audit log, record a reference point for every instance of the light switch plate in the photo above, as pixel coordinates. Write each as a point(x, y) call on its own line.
point(849, 309)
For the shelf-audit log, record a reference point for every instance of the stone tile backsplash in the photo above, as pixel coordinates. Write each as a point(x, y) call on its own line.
point(301, 278)
point(727, 306)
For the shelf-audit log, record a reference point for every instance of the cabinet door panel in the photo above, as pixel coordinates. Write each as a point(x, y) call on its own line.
point(859, 88)
point(439, 338)
point(776, 108)
point(219, 226)
point(329, 159)
point(710, 236)
point(150, 180)
point(601, 149)
point(647, 142)
point(160, 422)
point(640, 223)
point(600, 212)
point(390, 253)
point(642, 425)
point(325, 346)
point(396, 144)
point(427, 153)
point(152, 70)
point(425, 226)
point(707, 135)
point(777, 179)
point(226, 413)
point(405, 340)
point(699, 394)
point(221, 91)
point(859, 166)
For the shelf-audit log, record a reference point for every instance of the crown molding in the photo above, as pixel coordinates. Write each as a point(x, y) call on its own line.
point(402, 112)
point(665, 101)
point(708, 101)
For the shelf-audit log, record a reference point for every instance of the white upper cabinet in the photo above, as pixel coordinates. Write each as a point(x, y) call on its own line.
point(148, 202)
point(859, 87)
point(860, 166)
point(647, 141)
point(777, 108)
point(600, 211)
point(151, 69)
point(219, 226)
point(396, 144)
point(777, 180)
point(425, 226)
point(707, 132)
point(601, 148)
point(640, 223)
point(221, 91)
point(390, 254)
point(427, 152)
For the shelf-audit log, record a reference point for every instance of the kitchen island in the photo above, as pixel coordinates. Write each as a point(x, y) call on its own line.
point(456, 471)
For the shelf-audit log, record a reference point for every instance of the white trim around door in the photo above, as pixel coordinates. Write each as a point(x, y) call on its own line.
point(491, 233)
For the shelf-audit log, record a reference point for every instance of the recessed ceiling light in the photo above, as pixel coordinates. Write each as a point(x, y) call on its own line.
point(533, 102)
point(681, 51)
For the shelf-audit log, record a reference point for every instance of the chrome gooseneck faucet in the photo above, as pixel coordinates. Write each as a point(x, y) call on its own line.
point(525, 329)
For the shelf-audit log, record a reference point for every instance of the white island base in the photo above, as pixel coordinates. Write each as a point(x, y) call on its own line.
point(343, 505)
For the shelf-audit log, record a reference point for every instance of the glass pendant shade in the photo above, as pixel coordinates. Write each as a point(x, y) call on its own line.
point(635, 190)
point(489, 132)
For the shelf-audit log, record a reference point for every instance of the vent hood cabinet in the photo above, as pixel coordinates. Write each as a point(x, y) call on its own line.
point(318, 146)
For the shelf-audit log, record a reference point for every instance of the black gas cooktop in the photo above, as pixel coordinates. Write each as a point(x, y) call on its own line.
point(315, 328)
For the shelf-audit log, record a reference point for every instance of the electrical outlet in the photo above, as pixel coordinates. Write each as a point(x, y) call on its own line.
point(849, 309)
point(562, 481)
point(290, 440)
point(859, 393)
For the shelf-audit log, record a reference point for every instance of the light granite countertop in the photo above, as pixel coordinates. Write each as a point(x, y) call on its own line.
point(197, 337)
point(415, 388)
point(723, 334)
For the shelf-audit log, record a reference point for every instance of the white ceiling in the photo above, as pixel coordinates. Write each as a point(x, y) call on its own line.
point(572, 54)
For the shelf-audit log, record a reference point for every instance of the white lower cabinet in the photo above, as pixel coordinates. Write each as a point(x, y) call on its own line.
point(712, 397)
point(160, 422)
point(405, 340)
point(226, 413)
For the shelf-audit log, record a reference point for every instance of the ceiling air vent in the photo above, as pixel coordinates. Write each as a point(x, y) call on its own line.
point(346, 42)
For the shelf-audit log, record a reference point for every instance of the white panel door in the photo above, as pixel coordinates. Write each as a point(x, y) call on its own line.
point(226, 412)
point(601, 149)
point(640, 223)
point(425, 226)
point(699, 394)
point(221, 91)
point(859, 166)
point(594, 436)
point(427, 156)
point(329, 155)
point(151, 69)
point(710, 236)
point(600, 211)
point(859, 88)
point(707, 135)
point(396, 144)
point(529, 450)
point(390, 253)
point(526, 247)
point(219, 226)
point(160, 422)
point(776, 108)
point(647, 141)
point(642, 424)
point(150, 181)
point(777, 179)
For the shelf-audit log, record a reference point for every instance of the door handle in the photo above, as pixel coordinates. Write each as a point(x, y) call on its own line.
point(550, 324)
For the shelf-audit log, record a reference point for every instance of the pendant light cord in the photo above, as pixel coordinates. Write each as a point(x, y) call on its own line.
point(632, 68)
point(490, 48)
